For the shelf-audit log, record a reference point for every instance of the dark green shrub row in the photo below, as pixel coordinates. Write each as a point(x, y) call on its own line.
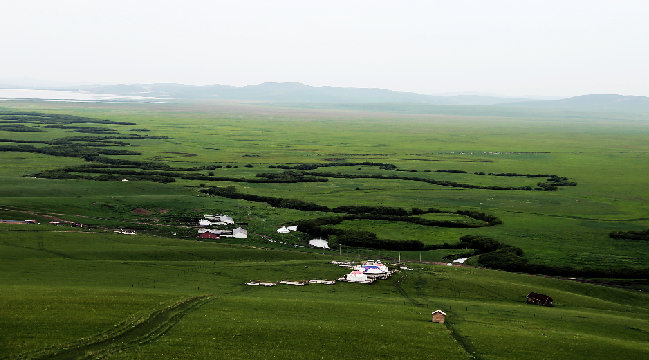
point(19, 128)
point(385, 166)
point(496, 255)
point(231, 192)
point(560, 181)
point(83, 129)
point(356, 212)
point(429, 181)
point(290, 176)
point(69, 151)
point(451, 171)
point(58, 174)
point(42, 118)
point(354, 238)
point(511, 174)
point(489, 219)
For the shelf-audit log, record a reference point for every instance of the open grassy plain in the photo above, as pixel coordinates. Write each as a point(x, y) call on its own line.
point(77, 292)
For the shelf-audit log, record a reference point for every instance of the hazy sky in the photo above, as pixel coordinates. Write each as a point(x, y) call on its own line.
point(518, 47)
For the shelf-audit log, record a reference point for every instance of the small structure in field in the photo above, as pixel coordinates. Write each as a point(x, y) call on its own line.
point(240, 233)
point(539, 299)
point(357, 276)
point(209, 235)
point(439, 316)
point(319, 243)
point(283, 230)
point(292, 228)
point(125, 232)
point(220, 219)
point(124, 180)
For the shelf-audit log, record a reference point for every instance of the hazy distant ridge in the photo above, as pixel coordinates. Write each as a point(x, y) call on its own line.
point(292, 92)
point(592, 102)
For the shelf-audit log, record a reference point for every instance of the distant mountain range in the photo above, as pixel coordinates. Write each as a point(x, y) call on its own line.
point(292, 92)
point(593, 102)
point(298, 93)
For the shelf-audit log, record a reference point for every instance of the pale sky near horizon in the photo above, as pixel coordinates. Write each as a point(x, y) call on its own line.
point(514, 48)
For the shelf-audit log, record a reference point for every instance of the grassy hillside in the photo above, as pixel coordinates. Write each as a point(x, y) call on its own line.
point(68, 289)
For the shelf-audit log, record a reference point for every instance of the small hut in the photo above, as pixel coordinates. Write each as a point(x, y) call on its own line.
point(539, 299)
point(439, 316)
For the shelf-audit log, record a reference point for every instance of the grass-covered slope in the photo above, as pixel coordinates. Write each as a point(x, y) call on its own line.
point(122, 296)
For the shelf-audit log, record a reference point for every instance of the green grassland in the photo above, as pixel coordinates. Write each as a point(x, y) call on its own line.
point(64, 288)
point(607, 158)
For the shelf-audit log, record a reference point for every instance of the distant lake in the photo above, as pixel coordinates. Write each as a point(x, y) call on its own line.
point(67, 95)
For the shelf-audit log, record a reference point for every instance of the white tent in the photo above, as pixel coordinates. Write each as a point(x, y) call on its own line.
point(319, 243)
point(283, 230)
point(227, 219)
point(356, 276)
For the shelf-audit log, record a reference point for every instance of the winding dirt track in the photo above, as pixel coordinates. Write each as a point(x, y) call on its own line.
point(131, 335)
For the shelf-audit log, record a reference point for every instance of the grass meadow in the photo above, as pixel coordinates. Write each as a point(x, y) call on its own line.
point(75, 292)
point(66, 289)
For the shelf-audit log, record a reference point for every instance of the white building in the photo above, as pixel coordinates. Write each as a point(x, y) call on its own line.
point(240, 233)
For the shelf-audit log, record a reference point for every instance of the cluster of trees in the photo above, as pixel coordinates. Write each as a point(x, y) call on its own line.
point(632, 235)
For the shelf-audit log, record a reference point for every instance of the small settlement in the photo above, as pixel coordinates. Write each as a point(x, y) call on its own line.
point(364, 273)
point(286, 229)
point(207, 232)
